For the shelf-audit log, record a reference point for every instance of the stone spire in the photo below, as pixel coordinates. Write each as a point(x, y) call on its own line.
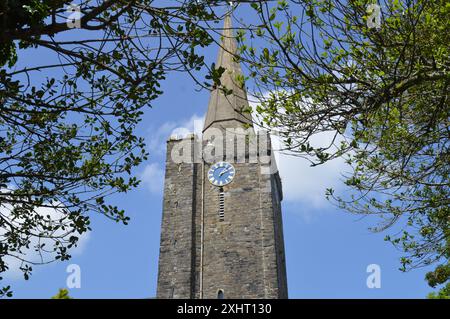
point(227, 111)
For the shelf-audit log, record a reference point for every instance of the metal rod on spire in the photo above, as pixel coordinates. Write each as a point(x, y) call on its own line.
point(231, 3)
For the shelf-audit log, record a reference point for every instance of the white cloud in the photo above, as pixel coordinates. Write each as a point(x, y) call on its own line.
point(192, 125)
point(156, 141)
point(153, 178)
point(153, 174)
point(30, 254)
point(304, 185)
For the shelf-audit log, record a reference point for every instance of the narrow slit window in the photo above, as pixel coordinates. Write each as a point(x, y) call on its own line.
point(220, 294)
point(221, 206)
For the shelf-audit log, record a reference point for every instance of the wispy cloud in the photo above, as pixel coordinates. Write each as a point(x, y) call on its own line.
point(303, 185)
point(153, 178)
point(57, 215)
point(153, 173)
point(156, 139)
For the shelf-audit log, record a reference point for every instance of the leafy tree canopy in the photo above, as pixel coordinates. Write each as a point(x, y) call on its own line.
point(382, 92)
point(68, 117)
point(443, 293)
point(62, 294)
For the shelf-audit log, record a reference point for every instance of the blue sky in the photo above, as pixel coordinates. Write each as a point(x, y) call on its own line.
point(327, 250)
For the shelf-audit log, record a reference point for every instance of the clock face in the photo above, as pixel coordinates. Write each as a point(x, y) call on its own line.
point(221, 173)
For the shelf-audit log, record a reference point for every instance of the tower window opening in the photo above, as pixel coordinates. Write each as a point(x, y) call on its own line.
point(220, 294)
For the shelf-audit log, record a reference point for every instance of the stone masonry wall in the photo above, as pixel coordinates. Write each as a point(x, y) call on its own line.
point(243, 255)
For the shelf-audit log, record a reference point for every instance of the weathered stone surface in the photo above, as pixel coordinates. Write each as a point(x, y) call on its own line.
point(228, 109)
point(243, 255)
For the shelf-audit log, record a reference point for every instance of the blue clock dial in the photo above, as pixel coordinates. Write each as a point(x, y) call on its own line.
point(221, 173)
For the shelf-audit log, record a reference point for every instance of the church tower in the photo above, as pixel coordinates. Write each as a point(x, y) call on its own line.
point(222, 234)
